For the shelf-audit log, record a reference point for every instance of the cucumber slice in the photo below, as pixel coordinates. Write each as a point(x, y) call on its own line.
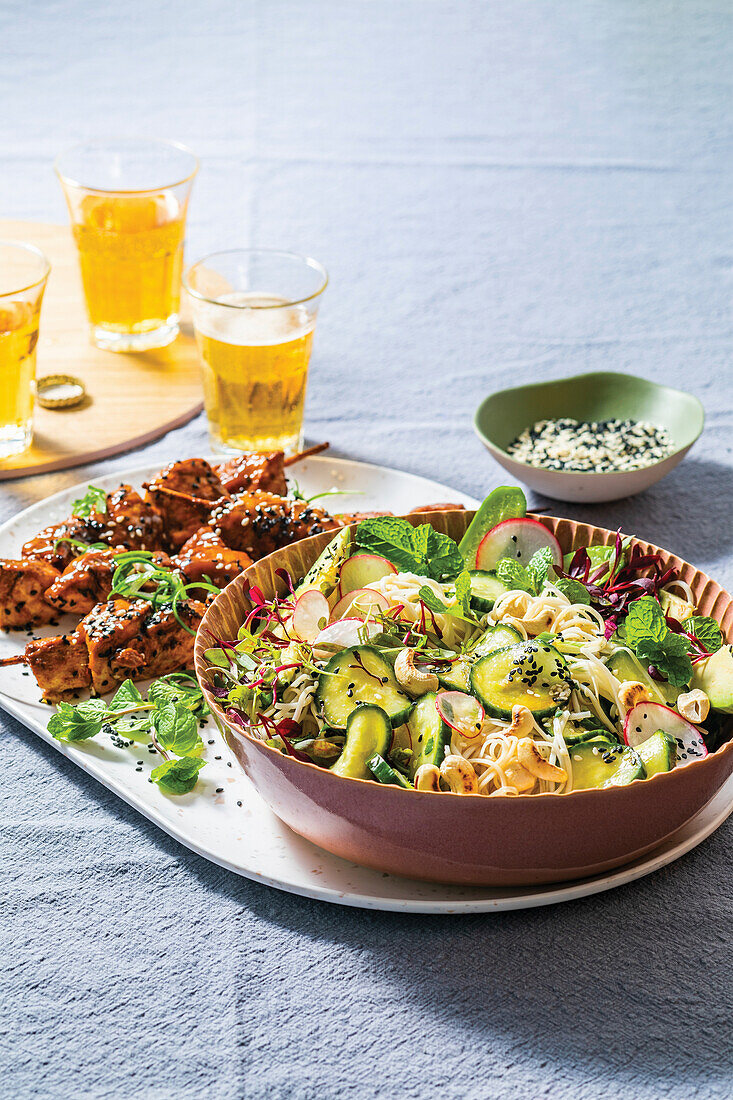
point(485, 589)
point(531, 674)
point(579, 736)
point(383, 773)
point(625, 665)
point(401, 739)
point(324, 573)
point(598, 764)
point(714, 676)
point(430, 734)
point(368, 732)
point(356, 676)
point(658, 753)
point(454, 677)
point(495, 637)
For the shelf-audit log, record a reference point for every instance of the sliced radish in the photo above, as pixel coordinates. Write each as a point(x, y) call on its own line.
point(518, 539)
point(461, 712)
point(310, 615)
point(646, 718)
point(359, 603)
point(345, 633)
point(361, 570)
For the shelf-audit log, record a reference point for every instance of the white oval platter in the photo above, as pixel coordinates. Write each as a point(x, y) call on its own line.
point(224, 819)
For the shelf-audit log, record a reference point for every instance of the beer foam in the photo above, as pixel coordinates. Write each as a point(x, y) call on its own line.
point(251, 325)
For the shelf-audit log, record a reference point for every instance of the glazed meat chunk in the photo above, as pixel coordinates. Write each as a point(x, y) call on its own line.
point(206, 555)
point(88, 581)
point(183, 494)
point(248, 472)
point(129, 522)
point(259, 523)
point(51, 545)
point(23, 583)
point(60, 665)
point(108, 630)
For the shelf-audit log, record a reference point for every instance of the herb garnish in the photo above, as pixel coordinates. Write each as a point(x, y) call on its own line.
point(94, 500)
point(648, 634)
point(138, 577)
point(169, 718)
point(421, 550)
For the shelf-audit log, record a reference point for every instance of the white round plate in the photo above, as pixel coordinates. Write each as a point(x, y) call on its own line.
point(224, 819)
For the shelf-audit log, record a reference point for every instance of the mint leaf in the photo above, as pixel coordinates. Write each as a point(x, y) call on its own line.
point(126, 696)
point(443, 556)
point(134, 727)
point(646, 631)
point(421, 550)
point(71, 723)
point(459, 607)
point(463, 590)
point(645, 619)
point(706, 630)
point(392, 539)
point(432, 601)
point(573, 590)
point(539, 566)
point(161, 692)
point(94, 500)
point(177, 729)
point(514, 575)
point(177, 776)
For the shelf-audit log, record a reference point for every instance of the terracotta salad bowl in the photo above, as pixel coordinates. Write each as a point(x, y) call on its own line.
point(467, 839)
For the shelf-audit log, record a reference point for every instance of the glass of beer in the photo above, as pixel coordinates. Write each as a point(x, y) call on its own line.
point(128, 201)
point(254, 311)
point(24, 271)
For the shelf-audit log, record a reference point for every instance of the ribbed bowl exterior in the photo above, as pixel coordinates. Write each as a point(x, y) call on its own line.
point(467, 839)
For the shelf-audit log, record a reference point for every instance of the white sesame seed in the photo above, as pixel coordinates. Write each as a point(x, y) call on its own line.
point(598, 446)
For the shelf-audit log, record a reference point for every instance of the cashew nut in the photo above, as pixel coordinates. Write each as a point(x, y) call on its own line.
point(539, 621)
point(459, 775)
point(630, 693)
point(522, 721)
point(414, 680)
point(427, 778)
point(530, 757)
point(517, 776)
point(693, 705)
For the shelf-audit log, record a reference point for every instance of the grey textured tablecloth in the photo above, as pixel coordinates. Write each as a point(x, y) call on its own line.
point(502, 191)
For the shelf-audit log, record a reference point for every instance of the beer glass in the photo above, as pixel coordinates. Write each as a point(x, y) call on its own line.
point(128, 201)
point(24, 271)
point(254, 312)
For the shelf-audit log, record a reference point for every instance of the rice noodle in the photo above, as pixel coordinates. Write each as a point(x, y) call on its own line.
point(494, 752)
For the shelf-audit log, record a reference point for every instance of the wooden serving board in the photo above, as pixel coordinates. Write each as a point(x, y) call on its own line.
point(131, 398)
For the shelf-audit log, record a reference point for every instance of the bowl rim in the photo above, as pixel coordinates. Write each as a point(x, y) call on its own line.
point(520, 799)
point(589, 475)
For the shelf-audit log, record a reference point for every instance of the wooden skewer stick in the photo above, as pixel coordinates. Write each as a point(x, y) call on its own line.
point(308, 453)
point(19, 659)
point(210, 504)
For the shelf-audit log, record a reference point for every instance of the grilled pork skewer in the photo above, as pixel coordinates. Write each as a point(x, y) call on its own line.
point(259, 523)
point(33, 592)
point(115, 640)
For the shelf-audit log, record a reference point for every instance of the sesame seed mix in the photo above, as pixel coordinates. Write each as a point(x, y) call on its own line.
point(597, 446)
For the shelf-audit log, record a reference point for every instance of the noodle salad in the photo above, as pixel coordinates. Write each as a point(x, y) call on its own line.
point(498, 666)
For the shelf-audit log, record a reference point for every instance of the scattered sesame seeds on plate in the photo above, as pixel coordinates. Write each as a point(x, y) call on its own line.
point(596, 446)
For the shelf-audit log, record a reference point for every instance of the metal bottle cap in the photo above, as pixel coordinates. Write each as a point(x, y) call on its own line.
point(59, 391)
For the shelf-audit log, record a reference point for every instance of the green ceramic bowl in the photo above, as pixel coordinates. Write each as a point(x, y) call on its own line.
point(600, 396)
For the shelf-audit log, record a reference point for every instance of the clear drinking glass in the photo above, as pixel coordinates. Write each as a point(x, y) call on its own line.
point(128, 202)
point(254, 312)
point(24, 272)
